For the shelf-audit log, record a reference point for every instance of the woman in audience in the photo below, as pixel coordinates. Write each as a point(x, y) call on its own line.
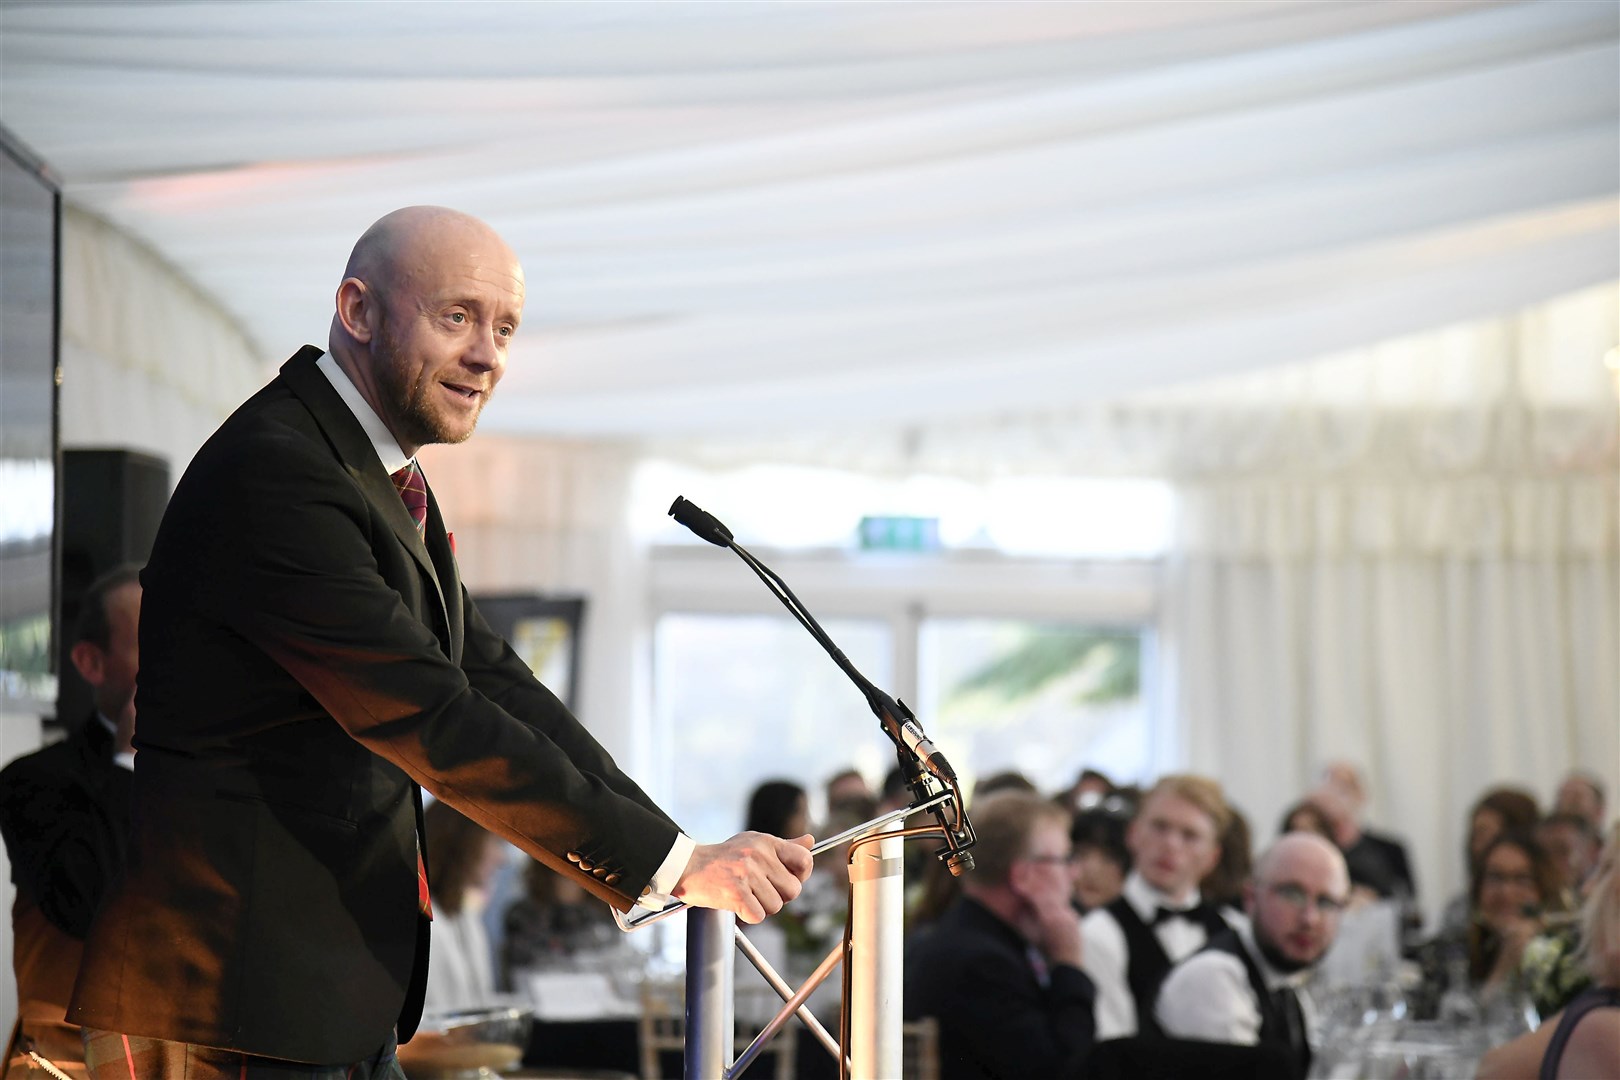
point(554, 922)
point(1512, 893)
point(1101, 859)
point(462, 862)
point(779, 808)
point(1502, 809)
point(1584, 1039)
point(1306, 816)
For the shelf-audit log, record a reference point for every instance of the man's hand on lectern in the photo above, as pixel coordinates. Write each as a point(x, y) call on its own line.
point(752, 874)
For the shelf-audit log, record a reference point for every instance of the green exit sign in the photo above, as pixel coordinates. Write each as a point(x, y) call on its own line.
point(899, 534)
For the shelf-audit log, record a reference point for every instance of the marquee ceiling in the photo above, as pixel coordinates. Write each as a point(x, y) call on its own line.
point(762, 217)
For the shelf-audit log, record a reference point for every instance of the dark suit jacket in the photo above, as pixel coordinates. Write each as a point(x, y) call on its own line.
point(306, 662)
point(996, 1020)
point(64, 813)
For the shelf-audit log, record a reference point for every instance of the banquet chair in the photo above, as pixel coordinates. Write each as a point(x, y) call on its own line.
point(920, 1046)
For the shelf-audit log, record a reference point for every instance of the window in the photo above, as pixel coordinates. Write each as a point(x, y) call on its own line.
point(744, 698)
point(1042, 698)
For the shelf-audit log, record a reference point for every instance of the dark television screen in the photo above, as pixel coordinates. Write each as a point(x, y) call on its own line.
point(28, 441)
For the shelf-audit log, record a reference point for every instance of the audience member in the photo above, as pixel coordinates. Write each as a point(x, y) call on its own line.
point(1001, 968)
point(849, 787)
point(1224, 885)
point(64, 813)
point(777, 805)
point(1089, 789)
point(1377, 861)
point(1159, 918)
point(1306, 816)
point(1512, 891)
point(1584, 1039)
point(1499, 810)
point(551, 924)
point(1573, 845)
point(462, 861)
point(1006, 780)
point(1242, 987)
point(1582, 793)
point(1101, 859)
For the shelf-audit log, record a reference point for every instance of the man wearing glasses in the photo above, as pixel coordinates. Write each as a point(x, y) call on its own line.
point(1241, 987)
point(1001, 968)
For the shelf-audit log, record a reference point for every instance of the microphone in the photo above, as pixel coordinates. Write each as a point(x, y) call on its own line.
point(916, 752)
point(705, 525)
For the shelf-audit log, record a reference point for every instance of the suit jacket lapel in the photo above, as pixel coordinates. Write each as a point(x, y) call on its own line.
point(360, 459)
point(448, 575)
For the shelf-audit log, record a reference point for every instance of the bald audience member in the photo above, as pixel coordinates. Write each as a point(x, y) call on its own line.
point(1242, 987)
point(310, 663)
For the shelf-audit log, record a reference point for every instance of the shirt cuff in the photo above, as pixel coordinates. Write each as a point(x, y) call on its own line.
point(658, 893)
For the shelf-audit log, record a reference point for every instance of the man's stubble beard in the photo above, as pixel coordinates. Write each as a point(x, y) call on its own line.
point(408, 400)
point(1275, 957)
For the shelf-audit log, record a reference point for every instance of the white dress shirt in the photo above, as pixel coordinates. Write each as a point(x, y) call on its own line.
point(1107, 958)
point(1209, 997)
point(393, 459)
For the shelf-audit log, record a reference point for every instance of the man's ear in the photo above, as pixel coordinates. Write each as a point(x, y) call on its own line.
point(357, 309)
point(89, 661)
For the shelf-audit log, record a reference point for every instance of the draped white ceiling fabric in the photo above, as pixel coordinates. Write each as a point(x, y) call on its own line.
point(762, 218)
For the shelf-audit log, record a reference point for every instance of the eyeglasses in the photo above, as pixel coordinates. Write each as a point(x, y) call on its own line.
point(1496, 877)
point(1295, 896)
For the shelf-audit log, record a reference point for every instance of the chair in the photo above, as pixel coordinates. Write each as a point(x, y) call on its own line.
point(663, 1029)
point(920, 1047)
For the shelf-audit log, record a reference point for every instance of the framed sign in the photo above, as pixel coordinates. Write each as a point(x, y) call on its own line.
point(544, 631)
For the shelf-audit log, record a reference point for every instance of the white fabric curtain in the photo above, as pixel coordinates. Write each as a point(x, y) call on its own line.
point(149, 362)
point(1413, 567)
point(551, 516)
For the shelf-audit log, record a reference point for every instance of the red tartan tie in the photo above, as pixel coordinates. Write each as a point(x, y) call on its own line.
point(413, 492)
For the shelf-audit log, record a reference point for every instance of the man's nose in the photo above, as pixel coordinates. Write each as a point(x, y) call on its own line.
point(485, 352)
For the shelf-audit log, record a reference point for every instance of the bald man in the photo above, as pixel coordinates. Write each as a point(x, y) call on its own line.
point(310, 663)
point(1242, 986)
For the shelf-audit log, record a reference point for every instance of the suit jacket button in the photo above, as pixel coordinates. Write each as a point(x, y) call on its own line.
point(611, 879)
point(600, 871)
point(585, 864)
point(574, 856)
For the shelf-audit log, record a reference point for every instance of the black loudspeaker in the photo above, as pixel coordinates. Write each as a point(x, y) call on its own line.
point(112, 501)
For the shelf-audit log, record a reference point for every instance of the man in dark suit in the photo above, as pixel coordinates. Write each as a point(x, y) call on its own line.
point(1001, 968)
point(64, 813)
point(311, 661)
point(1242, 987)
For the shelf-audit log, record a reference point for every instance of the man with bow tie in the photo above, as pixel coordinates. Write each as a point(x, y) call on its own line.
point(1159, 918)
point(310, 663)
point(1243, 986)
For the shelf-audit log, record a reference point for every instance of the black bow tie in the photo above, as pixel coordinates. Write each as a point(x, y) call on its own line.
point(1194, 914)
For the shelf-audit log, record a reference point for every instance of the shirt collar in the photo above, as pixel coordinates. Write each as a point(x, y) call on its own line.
point(1147, 900)
point(382, 440)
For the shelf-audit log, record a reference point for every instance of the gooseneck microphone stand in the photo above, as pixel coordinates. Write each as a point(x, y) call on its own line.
point(871, 1046)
